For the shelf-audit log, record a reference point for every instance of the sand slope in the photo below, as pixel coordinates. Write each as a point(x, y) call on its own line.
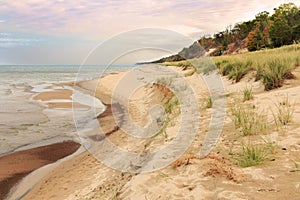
point(214, 177)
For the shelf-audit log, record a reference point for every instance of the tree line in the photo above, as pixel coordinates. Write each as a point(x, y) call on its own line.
point(265, 31)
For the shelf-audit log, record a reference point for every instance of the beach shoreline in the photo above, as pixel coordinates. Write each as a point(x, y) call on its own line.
point(54, 99)
point(17, 165)
point(86, 177)
point(44, 97)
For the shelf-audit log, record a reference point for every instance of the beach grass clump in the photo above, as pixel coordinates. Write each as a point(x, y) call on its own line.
point(208, 102)
point(248, 120)
point(234, 69)
point(270, 146)
point(247, 94)
point(171, 105)
point(251, 155)
point(259, 72)
point(275, 74)
point(284, 112)
point(226, 69)
point(238, 72)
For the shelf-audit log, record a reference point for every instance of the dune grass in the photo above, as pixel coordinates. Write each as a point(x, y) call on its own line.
point(251, 155)
point(247, 94)
point(248, 120)
point(283, 114)
point(183, 64)
point(208, 102)
point(272, 66)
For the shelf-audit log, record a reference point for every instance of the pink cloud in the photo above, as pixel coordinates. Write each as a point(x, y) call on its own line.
point(100, 19)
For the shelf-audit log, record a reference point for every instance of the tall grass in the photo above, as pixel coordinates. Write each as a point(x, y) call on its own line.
point(275, 74)
point(283, 114)
point(248, 120)
point(272, 66)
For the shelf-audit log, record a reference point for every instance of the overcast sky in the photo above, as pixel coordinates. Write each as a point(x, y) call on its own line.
point(65, 31)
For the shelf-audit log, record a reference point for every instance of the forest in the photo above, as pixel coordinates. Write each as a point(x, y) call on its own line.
point(265, 31)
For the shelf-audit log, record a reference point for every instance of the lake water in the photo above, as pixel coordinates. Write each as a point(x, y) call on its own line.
point(24, 121)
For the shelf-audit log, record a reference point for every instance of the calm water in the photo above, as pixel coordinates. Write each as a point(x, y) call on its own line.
point(24, 121)
point(36, 74)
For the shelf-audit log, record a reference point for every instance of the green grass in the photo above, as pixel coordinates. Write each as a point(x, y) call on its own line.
point(183, 64)
point(200, 65)
point(203, 64)
point(239, 70)
point(171, 105)
point(275, 74)
point(208, 102)
point(247, 94)
point(251, 155)
point(270, 146)
point(247, 120)
point(190, 73)
point(283, 114)
point(272, 66)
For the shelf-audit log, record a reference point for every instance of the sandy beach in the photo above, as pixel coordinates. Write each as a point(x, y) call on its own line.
point(15, 166)
point(214, 177)
point(149, 100)
point(28, 142)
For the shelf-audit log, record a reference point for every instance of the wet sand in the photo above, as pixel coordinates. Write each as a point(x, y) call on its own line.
point(15, 166)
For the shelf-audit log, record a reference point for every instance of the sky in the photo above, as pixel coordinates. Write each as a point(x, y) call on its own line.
point(66, 32)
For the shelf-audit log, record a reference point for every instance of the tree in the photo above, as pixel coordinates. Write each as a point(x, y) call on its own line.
point(252, 41)
point(284, 29)
point(281, 33)
point(296, 32)
point(242, 30)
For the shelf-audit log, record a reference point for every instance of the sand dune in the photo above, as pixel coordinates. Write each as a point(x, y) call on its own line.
point(214, 177)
